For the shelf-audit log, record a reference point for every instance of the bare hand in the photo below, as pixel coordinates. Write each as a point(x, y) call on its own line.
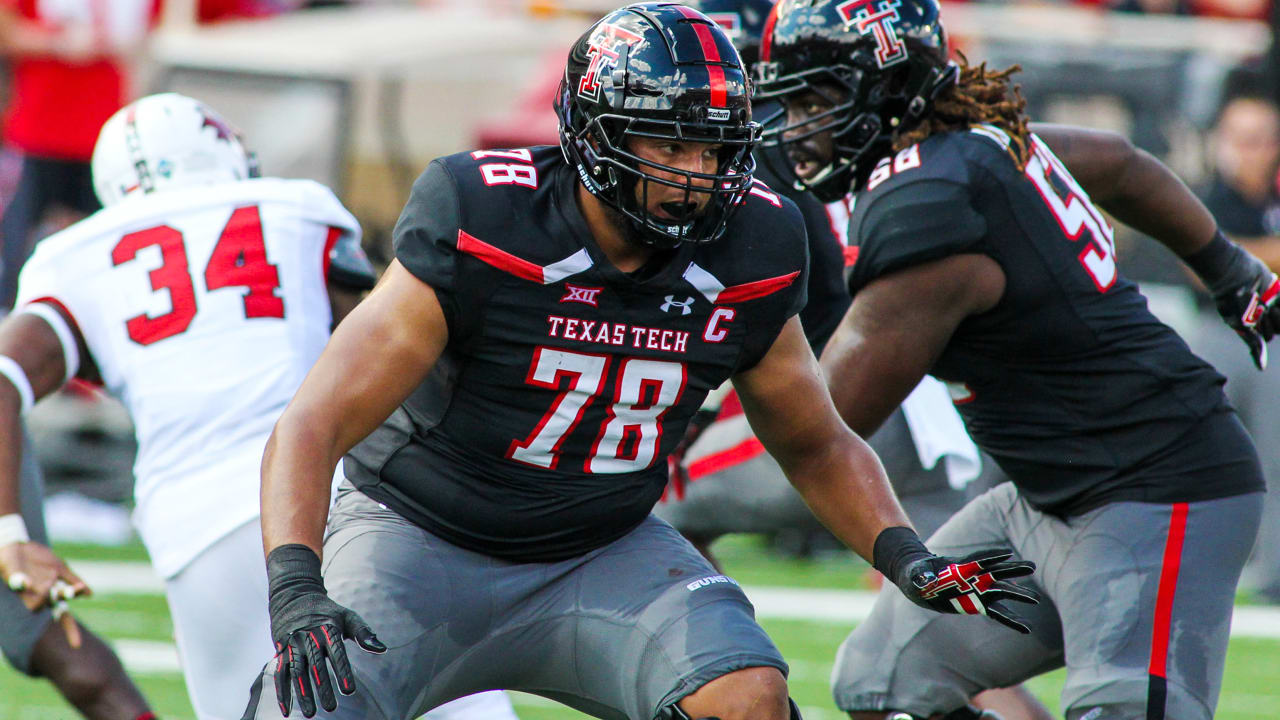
point(38, 575)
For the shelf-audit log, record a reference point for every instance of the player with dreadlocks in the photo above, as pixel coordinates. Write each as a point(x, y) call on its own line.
point(979, 97)
point(984, 259)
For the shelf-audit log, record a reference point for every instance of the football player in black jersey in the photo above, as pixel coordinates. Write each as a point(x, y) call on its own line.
point(722, 483)
point(983, 260)
point(509, 393)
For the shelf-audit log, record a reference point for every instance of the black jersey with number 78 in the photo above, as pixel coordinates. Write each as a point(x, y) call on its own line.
point(544, 429)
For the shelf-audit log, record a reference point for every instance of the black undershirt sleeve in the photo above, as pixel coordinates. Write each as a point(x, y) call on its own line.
point(916, 223)
point(426, 236)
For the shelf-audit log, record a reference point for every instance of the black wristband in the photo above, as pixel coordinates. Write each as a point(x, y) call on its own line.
point(895, 547)
point(1218, 261)
point(293, 565)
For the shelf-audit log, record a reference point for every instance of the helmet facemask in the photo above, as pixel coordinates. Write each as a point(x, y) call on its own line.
point(624, 180)
point(880, 73)
point(867, 110)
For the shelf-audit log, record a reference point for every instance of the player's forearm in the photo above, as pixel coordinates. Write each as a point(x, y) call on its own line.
point(1155, 201)
point(297, 469)
point(1133, 186)
point(10, 449)
point(867, 378)
point(845, 486)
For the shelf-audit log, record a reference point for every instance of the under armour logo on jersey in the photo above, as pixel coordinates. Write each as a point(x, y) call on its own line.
point(682, 304)
point(876, 17)
point(579, 294)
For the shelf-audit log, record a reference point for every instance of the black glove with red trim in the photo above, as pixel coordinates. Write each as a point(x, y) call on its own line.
point(1245, 291)
point(308, 629)
point(972, 585)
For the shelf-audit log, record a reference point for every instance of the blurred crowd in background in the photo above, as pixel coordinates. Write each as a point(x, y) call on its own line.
point(361, 94)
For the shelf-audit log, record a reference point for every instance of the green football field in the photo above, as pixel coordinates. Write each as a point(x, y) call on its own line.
point(139, 624)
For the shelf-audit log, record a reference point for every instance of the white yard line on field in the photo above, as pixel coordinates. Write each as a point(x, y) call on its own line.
point(148, 657)
point(121, 578)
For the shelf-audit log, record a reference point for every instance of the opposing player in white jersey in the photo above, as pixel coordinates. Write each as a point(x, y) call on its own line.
point(200, 296)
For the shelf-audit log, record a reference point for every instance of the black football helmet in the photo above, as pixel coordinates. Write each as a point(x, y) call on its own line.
point(881, 63)
point(742, 20)
point(658, 70)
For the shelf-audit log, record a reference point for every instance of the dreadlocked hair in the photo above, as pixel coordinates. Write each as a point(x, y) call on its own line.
point(979, 97)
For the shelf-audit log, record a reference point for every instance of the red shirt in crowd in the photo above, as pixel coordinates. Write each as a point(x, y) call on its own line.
point(56, 108)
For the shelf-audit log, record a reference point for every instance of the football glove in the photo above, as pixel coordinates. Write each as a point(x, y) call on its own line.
point(972, 585)
point(308, 629)
point(1245, 291)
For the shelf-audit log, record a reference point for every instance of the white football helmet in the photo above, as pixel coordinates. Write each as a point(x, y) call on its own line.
point(166, 141)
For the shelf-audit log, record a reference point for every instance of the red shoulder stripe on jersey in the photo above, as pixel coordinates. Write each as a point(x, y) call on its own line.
point(57, 304)
point(500, 259)
point(715, 462)
point(719, 89)
point(757, 289)
point(1166, 590)
point(330, 240)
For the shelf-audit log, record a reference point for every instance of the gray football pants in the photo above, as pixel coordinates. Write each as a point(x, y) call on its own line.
point(1136, 602)
point(619, 633)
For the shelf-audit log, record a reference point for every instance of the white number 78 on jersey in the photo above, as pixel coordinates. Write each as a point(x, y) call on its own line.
point(629, 437)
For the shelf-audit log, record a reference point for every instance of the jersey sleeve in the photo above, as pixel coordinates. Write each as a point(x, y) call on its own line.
point(322, 206)
point(35, 281)
point(41, 283)
point(346, 264)
point(773, 310)
point(426, 235)
point(913, 224)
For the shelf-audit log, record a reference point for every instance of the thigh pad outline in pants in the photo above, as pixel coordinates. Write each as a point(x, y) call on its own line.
point(618, 632)
point(1099, 575)
point(904, 657)
point(1151, 639)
